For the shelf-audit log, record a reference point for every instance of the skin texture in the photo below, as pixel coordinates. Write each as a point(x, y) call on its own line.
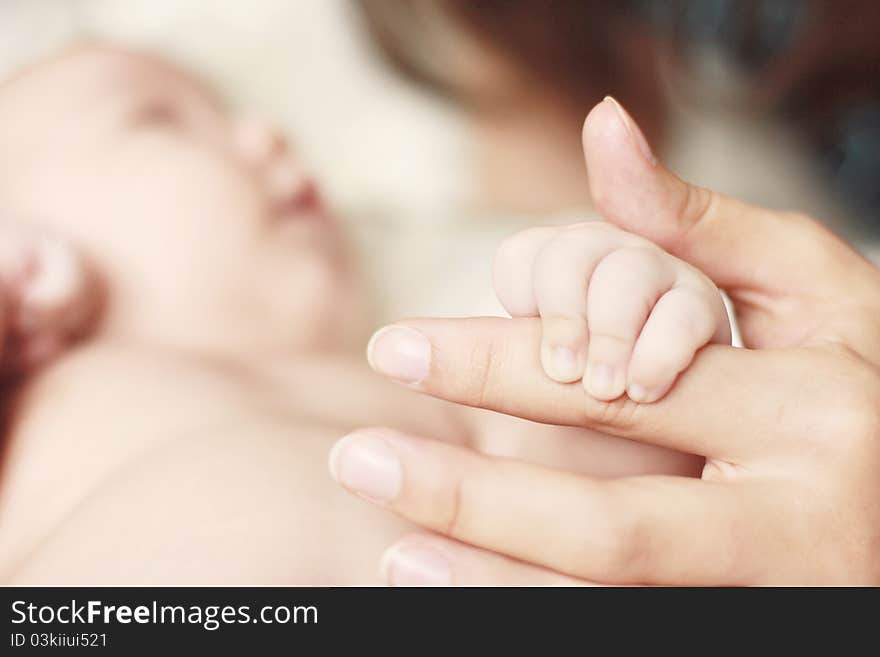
point(188, 347)
point(159, 140)
point(616, 310)
point(185, 440)
point(789, 426)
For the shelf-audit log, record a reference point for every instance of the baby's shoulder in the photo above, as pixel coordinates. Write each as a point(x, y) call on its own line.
point(129, 380)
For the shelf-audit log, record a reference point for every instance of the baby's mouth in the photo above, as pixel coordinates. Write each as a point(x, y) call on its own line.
point(305, 204)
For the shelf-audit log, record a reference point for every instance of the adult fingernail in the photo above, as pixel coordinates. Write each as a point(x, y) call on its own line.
point(401, 353)
point(415, 565)
point(367, 465)
point(600, 381)
point(633, 129)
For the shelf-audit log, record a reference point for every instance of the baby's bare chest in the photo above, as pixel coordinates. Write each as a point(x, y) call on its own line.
point(101, 413)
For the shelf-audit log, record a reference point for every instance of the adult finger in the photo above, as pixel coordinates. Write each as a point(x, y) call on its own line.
point(431, 560)
point(630, 530)
point(493, 363)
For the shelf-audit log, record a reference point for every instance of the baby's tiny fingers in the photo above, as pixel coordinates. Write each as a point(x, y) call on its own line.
point(562, 272)
point(518, 264)
point(513, 270)
point(683, 321)
point(624, 287)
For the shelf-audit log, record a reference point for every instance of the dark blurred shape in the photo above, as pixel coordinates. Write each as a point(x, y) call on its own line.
point(814, 63)
point(850, 153)
point(580, 50)
point(750, 32)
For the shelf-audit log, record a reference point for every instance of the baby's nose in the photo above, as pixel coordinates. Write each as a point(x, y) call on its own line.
point(259, 142)
point(265, 148)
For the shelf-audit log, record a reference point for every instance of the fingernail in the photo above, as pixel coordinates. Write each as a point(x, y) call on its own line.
point(638, 393)
point(563, 365)
point(367, 465)
point(634, 130)
point(401, 353)
point(600, 380)
point(565, 361)
point(415, 565)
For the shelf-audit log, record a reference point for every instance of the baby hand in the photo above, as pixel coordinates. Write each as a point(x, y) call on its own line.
point(616, 310)
point(47, 298)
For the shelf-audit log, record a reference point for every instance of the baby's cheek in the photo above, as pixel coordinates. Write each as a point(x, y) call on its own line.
point(308, 298)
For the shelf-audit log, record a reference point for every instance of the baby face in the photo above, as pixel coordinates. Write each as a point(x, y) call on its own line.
point(204, 225)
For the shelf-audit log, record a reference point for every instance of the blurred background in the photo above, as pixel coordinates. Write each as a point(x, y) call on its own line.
point(437, 127)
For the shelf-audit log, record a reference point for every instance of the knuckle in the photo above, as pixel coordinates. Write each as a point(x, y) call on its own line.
point(852, 412)
point(814, 241)
point(634, 274)
point(617, 344)
point(594, 234)
point(696, 317)
point(639, 259)
point(859, 407)
point(591, 228)
point(570, 330)
point(858, 421)
point(627, 558)
point(696, 206)
point(551, 260)
point(481, 386)
point(619, 414)
point(619, 548)
point(514, 249)
point(453, 506)
point(658, 367)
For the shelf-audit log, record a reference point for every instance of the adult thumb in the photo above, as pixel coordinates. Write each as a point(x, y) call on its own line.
point(734, 243)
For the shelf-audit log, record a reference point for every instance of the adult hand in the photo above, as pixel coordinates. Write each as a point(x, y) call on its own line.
point(48, 298)
point(790, 427)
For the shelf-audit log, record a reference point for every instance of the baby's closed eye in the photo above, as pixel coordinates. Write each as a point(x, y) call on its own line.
point(156, 113)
